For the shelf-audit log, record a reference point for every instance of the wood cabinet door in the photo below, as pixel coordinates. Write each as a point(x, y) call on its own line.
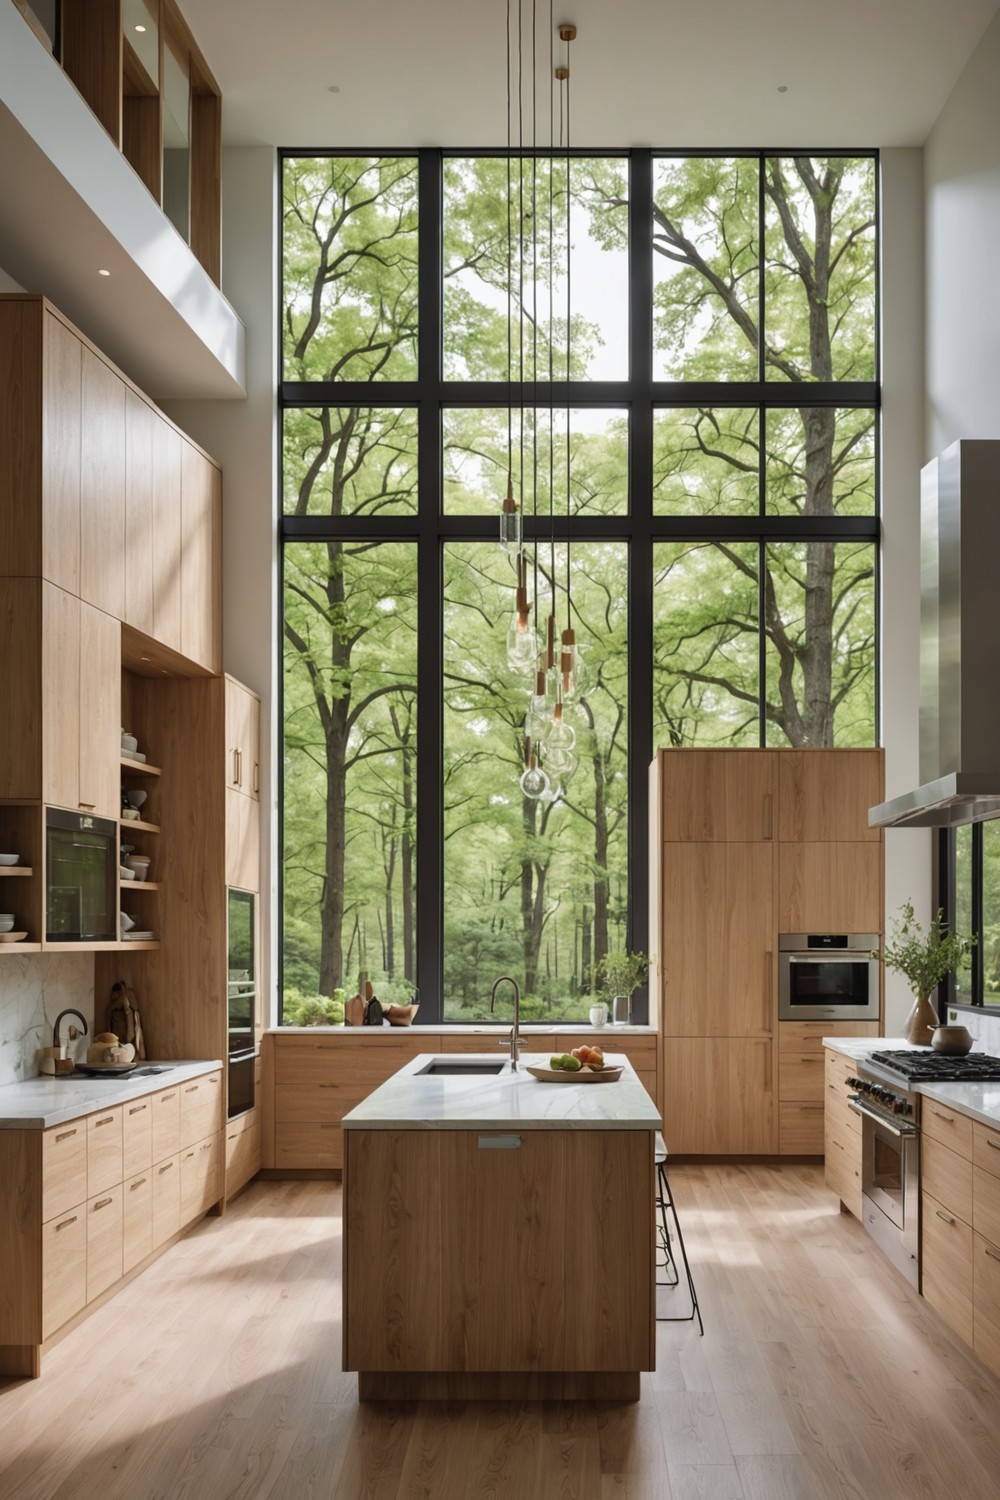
point(200, 563)
point(718, 940)
point(62, 389)
point(824, 795)
point(60, 697)
point(100, 711)
point(835, 887)
point(64, 1268)
point(104, 1241)
point(718, 794)
point(140, 421)
point(166, 558)
point(102, 488)
point(242, 738)
point(718, 1096)
point(242, 841)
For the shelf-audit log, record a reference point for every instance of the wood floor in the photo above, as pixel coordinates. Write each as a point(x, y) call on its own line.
point(215, 1375)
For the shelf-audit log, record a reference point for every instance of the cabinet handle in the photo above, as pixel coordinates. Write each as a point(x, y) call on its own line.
point(189, 1156)
point(942, 1215)
point(768, 815)
point(256, 776)
point(65, 1135)
point(499, 1143)
point(66, 1223)
point(137, 1184)
point(811, 1108)
point(993, 1254)
point(108, 1120)
point(991, 1142)
point(811, 1060)
point(237, 768)
point(165, 1168)
point(948, 1119)
point(767, 990)
point(192, 1090)
point(167, 1098)
point(102, 1203)
point(331, 1085)
point(87, 806)
point(137, 1109)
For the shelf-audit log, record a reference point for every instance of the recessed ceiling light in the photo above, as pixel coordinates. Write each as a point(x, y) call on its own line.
point(333, 88)
point(782, 88)
point(140, 27)
point(103, 272)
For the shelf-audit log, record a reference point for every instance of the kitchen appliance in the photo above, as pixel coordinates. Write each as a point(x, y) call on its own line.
point(889, 1108)
point(81, 897)
point(828, 976)
point(242, 1001)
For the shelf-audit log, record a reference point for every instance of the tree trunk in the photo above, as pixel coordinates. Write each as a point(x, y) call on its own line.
point(390, 924)
point(407, 894)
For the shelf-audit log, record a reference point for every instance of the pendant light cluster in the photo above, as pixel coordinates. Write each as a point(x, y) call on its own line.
point(556, 677)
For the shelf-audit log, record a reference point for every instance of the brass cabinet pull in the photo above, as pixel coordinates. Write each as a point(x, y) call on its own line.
point(168, 1098)
point(946, 1217)
point(137, 1109)
point(65, 1135)
point(948, 1119)
point(165, 1168)
point(333, 1085)
point(812, 1060)
point(192, 1090)
point(810, 1108)
point(993, 1254)
point(189, 1156)
point(108, 1120)
point(102, 1203)
point(66, 1223)
point(991, 1142)
point(137, 1184)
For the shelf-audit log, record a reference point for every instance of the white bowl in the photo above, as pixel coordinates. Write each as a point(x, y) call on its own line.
point(140, 863)
point(130, 814)
point(126, 922)
point(129, 743)
point(6, 923)
point(9, 859)
point(135, 799)
point(125, 873)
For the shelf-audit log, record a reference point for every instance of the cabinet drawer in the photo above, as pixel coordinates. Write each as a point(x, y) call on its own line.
point(316, 1145)
point(64, 1168)
point(137, 1136)
point(843, 1170)
point(301, 1062)
point(104, 1151)
point(201, 1176)
point(947, 1126)
point(986, 1205)
point(946, 1268)
point(314, 1102)
point(947, 1177)
point(201, 1108)
point(104, 1241)
point(801, 1077)
point(807, 1036)
point(64, 1267)
point(370, 1060)
point(801, 1130)
point(166, 1200)
point(243, 1154)
point(986, 1302)
point(137, 1219)
point(166, 1124)
point(986, 1148)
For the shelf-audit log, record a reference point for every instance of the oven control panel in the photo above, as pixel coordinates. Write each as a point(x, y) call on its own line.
point(895, 1103)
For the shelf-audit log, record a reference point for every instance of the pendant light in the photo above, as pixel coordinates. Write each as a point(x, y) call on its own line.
point(511, 527)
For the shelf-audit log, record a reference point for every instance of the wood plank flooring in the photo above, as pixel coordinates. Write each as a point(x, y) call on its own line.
point(215, 1376)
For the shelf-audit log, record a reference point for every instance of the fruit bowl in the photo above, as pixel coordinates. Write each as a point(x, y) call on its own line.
point(582, 1075)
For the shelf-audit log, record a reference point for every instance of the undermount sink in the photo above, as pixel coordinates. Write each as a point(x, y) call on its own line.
point(441, 1067)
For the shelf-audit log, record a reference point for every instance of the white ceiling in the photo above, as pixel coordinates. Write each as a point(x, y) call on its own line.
point(858, 72)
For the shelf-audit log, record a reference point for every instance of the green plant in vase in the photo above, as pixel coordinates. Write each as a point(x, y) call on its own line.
point(923, 958)
point(619, 974)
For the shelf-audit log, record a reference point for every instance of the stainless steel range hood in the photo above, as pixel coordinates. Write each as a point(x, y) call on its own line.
point(959, 644)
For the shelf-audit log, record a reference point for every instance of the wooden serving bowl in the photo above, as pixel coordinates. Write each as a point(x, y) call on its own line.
point(401, 1015)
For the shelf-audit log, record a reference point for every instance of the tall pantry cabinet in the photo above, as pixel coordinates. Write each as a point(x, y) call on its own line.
point(749, 844)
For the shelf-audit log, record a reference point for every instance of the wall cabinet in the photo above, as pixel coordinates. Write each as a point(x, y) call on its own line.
point(242, 739)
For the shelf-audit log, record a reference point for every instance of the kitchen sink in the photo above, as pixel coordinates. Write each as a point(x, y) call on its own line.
point(442, 1067)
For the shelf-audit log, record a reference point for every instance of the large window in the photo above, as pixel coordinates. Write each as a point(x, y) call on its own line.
point(970, 894)
point(695, 446)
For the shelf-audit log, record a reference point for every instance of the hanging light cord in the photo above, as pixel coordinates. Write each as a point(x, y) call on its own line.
point(510, 418)
point(569, 335)
point(552, 514)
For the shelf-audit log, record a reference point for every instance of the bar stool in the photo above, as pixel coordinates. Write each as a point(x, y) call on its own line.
point(669, 1266)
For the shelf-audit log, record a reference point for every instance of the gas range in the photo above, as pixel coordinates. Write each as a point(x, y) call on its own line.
point(920, 1065)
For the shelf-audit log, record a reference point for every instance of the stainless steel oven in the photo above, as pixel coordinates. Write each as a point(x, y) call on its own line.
point(828, 976)
point(890, 1166)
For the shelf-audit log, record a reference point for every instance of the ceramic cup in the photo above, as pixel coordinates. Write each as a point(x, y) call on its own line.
point(6, 921)
point(598, 1015)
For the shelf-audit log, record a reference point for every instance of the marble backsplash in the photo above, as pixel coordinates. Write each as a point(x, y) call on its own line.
point(984, 1026)
point(33, 990)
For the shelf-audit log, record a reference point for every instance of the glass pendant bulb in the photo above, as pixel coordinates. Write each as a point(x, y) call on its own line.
point(522, 648)
point(562, 762)
point(511, 528)
point(534, 782)
point(572, 672)
point(560, 736)
point(537, 718)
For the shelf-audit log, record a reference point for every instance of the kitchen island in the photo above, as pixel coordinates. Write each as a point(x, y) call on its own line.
point(499, 1235)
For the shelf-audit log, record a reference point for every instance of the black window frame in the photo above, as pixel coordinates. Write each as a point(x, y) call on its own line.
point(640, 395)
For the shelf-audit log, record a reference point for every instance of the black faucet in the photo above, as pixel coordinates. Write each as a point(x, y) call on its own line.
point(55, 1030)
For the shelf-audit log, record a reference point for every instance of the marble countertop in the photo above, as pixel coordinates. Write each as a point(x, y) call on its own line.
point(471, 1028)
point(980, 1101)
point(503, 1100)
point(39, 1103)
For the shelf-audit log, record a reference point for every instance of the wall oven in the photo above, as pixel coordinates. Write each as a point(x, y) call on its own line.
point(242, 1000)
point(81, 872)
point(828, 976)
point(890, 1167)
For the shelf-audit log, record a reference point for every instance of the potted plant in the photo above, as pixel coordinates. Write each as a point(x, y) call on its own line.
point(619, 974)
point(924, 959)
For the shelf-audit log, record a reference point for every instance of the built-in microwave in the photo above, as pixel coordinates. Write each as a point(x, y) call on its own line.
point(828, 976)
point(81, 877)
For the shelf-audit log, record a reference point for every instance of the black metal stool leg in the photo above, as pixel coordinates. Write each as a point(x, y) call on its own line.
point(665, 1201)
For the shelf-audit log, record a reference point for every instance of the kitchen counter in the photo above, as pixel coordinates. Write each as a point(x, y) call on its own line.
point(980, 1101)
point(471, 1028)
point(505, 1099)
point(38, 1103)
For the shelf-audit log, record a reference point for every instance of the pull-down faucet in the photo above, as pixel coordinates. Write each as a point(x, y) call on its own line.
point(515, 1039)
point(55, 1030)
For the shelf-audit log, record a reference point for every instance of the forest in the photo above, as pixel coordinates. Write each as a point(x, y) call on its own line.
point(764, 275)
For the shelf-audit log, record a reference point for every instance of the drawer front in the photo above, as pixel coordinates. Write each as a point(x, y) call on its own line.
point(986, 1302)
point(807, 1036)
point(64, 1168)
point(201, 1108)
point(800, 1077)
point(310, 1103)
point(64, 1267)
point(104, 1151)
point(986, 1205)
point(166, 1200)
point(137, 1136)
point(801, 1128)
point(104, 1241)
point(946, 1267)
point(166, 1124)
point(947, 1177)
point(842, 1169)
point(370, 1061)
point(243, 1155)
point(201, 1177)
point(986, 1148)
point(137, 1219)
point(947, 1126)
point(301, 1146)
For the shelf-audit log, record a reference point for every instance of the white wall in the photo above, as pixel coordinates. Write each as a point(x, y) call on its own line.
point(242, 436)
point(962, 183)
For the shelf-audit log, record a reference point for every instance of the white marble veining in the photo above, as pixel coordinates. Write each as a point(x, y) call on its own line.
point(41, 1102)
point(981, 1101)
point(984, 1025)
point(34, 988)
point(504, 1099)
point(470, 1028)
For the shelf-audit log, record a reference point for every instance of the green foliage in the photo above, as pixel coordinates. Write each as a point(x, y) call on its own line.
point(312, 1010)
point(924, 958)
point(621, 973)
